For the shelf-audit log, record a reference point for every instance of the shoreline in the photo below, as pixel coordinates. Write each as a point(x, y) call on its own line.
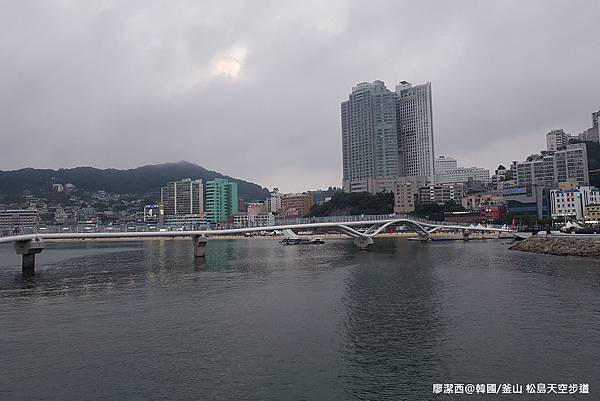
point(560, 245)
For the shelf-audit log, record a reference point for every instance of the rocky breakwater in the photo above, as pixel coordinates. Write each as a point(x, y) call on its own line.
point(562, 245)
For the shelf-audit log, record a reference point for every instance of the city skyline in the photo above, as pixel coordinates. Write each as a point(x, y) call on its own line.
point(185, 85)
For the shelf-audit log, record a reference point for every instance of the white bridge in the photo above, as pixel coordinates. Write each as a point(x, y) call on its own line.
point(28, 245)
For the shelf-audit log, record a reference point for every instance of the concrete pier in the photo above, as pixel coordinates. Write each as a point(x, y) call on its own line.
point(28, 249)
point(199, 242)
point(363, 242)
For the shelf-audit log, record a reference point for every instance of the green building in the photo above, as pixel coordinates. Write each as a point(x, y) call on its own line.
point(221, 200)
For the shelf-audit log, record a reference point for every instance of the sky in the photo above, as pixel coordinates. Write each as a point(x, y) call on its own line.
point(252, 89)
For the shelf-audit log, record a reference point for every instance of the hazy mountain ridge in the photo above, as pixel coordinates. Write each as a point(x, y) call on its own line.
point(140, 180)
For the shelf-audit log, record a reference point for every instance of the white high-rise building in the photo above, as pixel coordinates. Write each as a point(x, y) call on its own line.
point(386, 135)
point(369, 137)
point(415, 130)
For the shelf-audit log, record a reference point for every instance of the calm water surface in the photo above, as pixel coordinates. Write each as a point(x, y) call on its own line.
point(262, 321)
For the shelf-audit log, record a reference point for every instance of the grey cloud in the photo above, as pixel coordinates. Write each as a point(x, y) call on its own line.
point(121, 84)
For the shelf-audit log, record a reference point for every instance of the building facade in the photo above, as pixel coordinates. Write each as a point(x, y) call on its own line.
point(415, 130)
point(386, 135)
point(571, 204)
point(441, 193)
point(296, 205)
point(532, 200)
point(19, 218)
point(273, 202)
point(182, 197)
point(221, 200)
point(406, 193)
point(550, 168)
point(556, 139)
point(463, 174)
point(369, 136)
point(476, 201)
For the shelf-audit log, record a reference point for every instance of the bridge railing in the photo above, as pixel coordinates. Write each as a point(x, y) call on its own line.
point(4, 231)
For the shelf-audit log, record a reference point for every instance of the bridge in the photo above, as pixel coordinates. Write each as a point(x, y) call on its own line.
point(28, 245)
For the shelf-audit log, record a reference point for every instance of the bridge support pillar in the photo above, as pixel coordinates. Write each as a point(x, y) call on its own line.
point(199, 246)
point(28, 249)
point(466, 234)
point(424, 237)
point(363, 242)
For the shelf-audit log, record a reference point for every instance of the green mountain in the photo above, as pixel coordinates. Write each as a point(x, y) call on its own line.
point(140, 180)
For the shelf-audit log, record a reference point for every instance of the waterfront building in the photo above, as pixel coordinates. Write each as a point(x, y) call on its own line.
point(386, 135)
point(19, 218)
point(406, 191)
point(592, 213)
point(239, 220)
point(152, 214)
point(182, 197)
point(490, 214)
point(572, 203)
point(297, 204)
point(441, 193)
point(221, 200)
point(262, 220)
point(531, 199)
point(550, 168)
point(477, 201)
point(195, 221)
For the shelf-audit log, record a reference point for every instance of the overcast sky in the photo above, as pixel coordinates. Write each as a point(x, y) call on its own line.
point(253, 88)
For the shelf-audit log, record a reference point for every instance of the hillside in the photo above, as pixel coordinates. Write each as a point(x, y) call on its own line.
point(140, 180)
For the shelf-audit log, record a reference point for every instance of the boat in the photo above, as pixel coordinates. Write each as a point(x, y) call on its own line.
point(301, 241)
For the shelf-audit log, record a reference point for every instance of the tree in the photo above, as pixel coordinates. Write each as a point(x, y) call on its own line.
point(344, 204)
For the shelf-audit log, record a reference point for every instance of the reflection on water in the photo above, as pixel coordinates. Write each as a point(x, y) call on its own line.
point(258, 320)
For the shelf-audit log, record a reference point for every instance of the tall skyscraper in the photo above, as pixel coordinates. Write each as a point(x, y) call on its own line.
point(182, 197)
point(369, 137)
point(386, 135)
point(221, 200)
point(415, 130)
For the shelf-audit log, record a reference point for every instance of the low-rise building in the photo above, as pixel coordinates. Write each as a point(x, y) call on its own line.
point(592, 213)
point(186, 220)
point(261, 220)
point(571, 204)
point(296, 205)
point(476, 201)
point(441, 193)
point(406, 191)
point(463, 174)
point(19, 218)
point(527, 200)
point(239, 220)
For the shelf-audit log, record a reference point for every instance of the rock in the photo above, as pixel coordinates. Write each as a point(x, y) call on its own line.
point(560, 245)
